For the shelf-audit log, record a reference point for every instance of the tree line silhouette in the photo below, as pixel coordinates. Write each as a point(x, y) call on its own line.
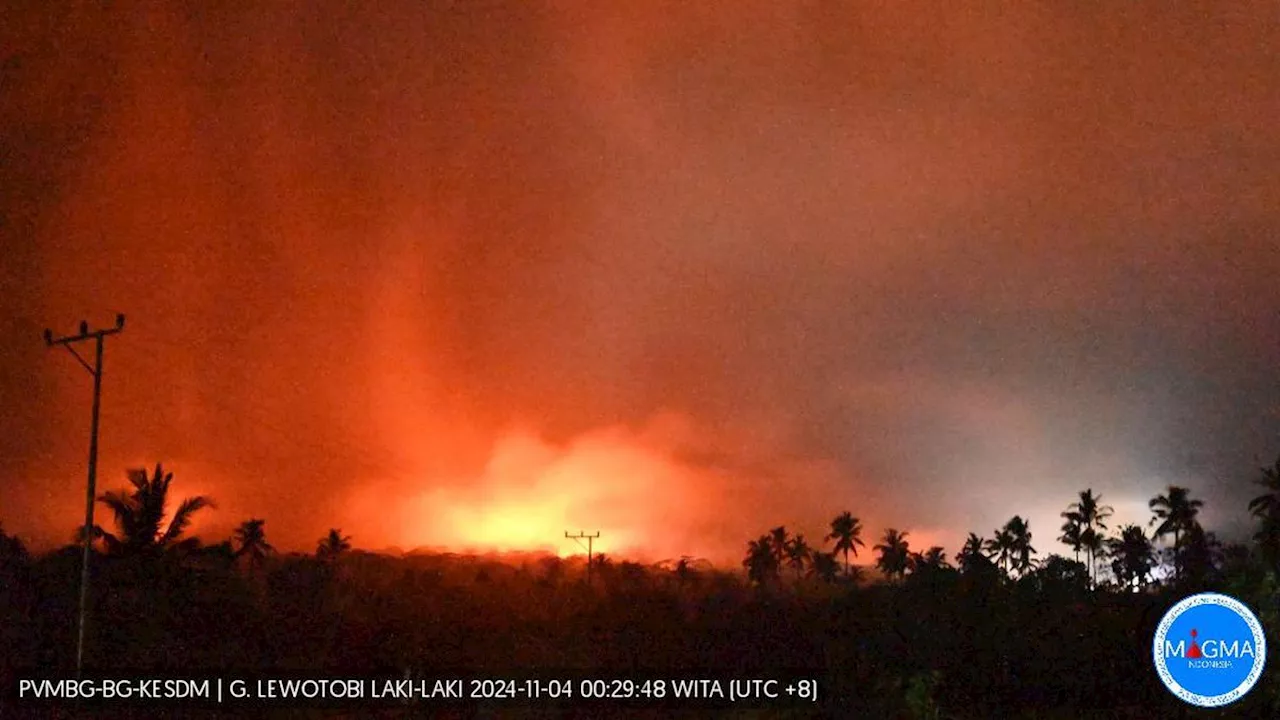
point(1130, 555)
point(1002, 632)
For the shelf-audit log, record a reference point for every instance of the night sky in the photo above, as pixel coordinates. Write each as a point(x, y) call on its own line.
point(474, 274)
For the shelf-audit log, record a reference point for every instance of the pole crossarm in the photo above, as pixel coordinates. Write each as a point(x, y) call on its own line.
point(580, 537)
point(84, 334)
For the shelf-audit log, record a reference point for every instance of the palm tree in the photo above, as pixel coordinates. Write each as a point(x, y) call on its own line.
point(1071, 532)
point(761, 563)
point(798, 553)
point(139, 515)
point(972, 557)
point(778, 539)
point(895, 553)
point(824, 566)
point(1000, 548)
point(1176, 512)
point(1267, 503)
point(935, 557)
point(1201, 555)
point(930, 563)
point(1095, 543)
point(1133, 556)
point(253, 540)
point(846, 530)
point(1266, 508)
point(1020, 550)
point(1092, 516)
point(1092, 512)
point(333, 545)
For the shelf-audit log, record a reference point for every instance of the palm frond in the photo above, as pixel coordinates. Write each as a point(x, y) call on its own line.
point(124, 508)
point(111, 543)
point(137, 477)
point(182, 517)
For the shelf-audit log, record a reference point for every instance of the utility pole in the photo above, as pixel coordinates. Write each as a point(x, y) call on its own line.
point(96, 371)
point(578, 539)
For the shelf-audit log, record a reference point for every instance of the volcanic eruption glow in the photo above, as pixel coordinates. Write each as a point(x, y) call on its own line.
point(633, 487)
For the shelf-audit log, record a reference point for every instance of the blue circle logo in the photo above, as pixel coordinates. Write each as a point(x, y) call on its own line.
point(1209, 649)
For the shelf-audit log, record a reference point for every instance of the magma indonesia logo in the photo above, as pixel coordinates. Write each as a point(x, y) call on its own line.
point(1209, 649)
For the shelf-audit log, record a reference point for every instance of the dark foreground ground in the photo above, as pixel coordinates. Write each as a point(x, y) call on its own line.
point(937, 644)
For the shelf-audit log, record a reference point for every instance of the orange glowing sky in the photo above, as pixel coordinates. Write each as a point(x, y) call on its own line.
point(449, 275)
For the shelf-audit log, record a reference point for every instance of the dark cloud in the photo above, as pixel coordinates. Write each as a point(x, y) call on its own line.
point(935, 266)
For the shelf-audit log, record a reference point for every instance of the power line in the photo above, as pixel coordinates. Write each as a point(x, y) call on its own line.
point(96, 370)
point(578, 539)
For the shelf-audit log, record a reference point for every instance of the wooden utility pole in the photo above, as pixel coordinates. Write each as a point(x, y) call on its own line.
point(96, 371)
point(578, 539)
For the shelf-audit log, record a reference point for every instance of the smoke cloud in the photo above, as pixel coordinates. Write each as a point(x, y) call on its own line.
point(474, 275)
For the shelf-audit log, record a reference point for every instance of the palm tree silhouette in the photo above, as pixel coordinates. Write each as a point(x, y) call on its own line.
point(139, 515)
point(1020, 550)
point(1072, 531)
point(1000, 548)
point(1094, 543)
point(761, 562)
point(895, 553)
point(778, 540)
point(604, 567)
point(929, 563)
point(1091, 515)
point(1133, 556)
point(1266, 508)
point(824, 566)
point(333, 545)
point(798, 552)
point(1176, 511)
point(1201, 554)
point(973, 555)
point(846, 530)
point(935, 557)
point(253, 541)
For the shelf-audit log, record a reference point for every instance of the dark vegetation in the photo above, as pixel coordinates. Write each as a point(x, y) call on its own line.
point(1002, 632)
